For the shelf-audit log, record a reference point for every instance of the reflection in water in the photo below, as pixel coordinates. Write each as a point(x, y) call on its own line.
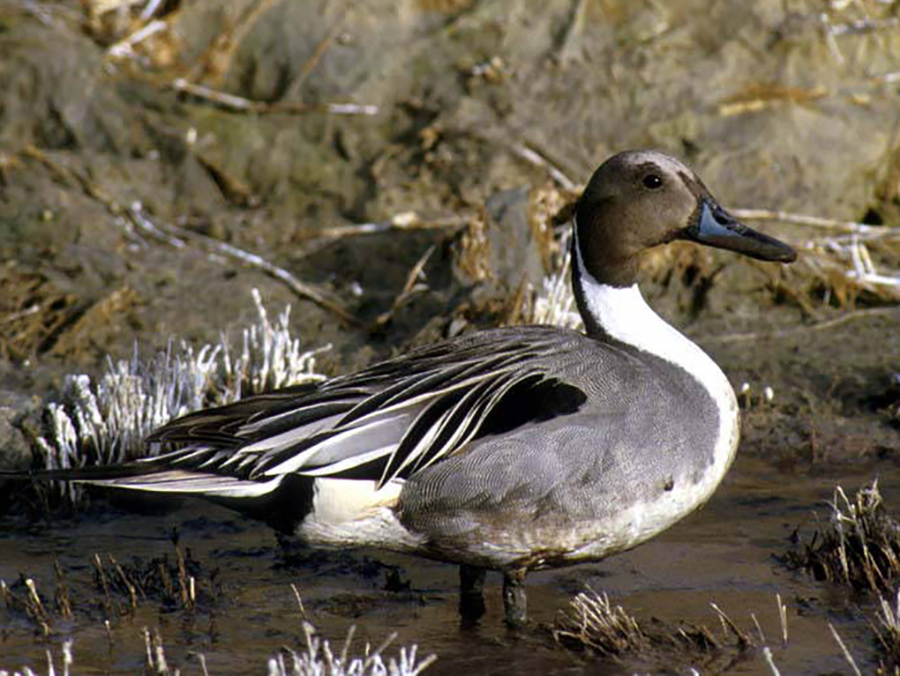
point(246, 609)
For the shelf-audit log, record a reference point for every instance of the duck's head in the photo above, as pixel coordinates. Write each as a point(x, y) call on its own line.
point(641, 198)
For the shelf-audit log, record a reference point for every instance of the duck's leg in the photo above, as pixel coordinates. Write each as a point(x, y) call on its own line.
point(515, 605)
point(471, 586)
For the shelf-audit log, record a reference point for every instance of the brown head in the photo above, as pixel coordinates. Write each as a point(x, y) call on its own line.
point(642, 198)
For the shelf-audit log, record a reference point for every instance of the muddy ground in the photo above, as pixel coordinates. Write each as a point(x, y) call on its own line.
point(120, 179)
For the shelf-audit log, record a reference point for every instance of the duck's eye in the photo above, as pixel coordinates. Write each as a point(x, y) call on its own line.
point(652, 181)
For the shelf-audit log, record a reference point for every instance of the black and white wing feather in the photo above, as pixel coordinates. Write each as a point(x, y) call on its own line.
point(383, 423)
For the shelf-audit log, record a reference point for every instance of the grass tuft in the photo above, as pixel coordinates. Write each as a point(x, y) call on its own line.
point(591, 621)
point(105, 422)
point(860, 546)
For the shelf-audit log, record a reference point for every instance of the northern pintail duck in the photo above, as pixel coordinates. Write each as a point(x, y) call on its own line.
point(512, 449)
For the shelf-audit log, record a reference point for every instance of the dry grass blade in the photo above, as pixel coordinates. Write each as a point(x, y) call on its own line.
point(758, 97)
point(318, 659)
point(539, 160)
point(61, 596)
point(30, 605)
point(294, 88)
point(35, 607)
point(782, 614)
point(103, 584)
point(744, 640)
point(239, 104)
point(297, 596)
point(888, 631)
point(592, 622)
point(404, 220)
point(216, 61)
point(415, 284)
point(759, 630)
point(844, 650)
point(802, 219)
point(132, 591)
point(840, 265)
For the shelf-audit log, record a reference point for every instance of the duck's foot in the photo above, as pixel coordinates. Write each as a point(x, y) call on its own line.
point(471, 596)
point(515, 605)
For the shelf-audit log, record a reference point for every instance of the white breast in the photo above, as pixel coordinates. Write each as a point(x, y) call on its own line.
point(624, 315)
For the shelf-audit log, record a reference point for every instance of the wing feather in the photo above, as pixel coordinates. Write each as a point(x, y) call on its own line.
point(384, 423)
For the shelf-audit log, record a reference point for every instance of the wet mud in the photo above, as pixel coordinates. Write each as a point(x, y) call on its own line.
point(730, 553)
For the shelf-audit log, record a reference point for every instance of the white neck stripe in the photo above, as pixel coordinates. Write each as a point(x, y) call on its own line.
point(623, 314)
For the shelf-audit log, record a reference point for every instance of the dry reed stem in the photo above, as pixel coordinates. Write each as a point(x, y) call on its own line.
point(539, 159)
point(770, 661)
point(239, 104)
point(782, 615)
point(404, 220)
point(802, 219)
point(412, 287)
point(844, 650)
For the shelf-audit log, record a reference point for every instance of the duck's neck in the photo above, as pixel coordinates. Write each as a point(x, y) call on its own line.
point(621, 314)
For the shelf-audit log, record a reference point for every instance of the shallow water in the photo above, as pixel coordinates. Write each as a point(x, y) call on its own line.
point(723, 554)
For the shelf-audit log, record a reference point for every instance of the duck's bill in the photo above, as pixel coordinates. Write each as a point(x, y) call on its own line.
point(716, 227)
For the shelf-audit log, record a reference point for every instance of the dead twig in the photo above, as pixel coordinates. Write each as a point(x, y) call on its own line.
point(239, 104)
point(233, 189)
point(186, 584)
point(124, 48)
point(405, 220)
point(302, 289)
point(104, 585)
point(61, 597)
point(782, 615)
point(410, 288)
point(744, 640)
point(538, 159)
point(303, 612)
point(217, 57)
point(132, 590)
point(800, 219)
point(36, 608)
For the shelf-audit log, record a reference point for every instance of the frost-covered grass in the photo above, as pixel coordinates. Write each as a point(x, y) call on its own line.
point(555, 302)
point(318, 659)
point(105, 421)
